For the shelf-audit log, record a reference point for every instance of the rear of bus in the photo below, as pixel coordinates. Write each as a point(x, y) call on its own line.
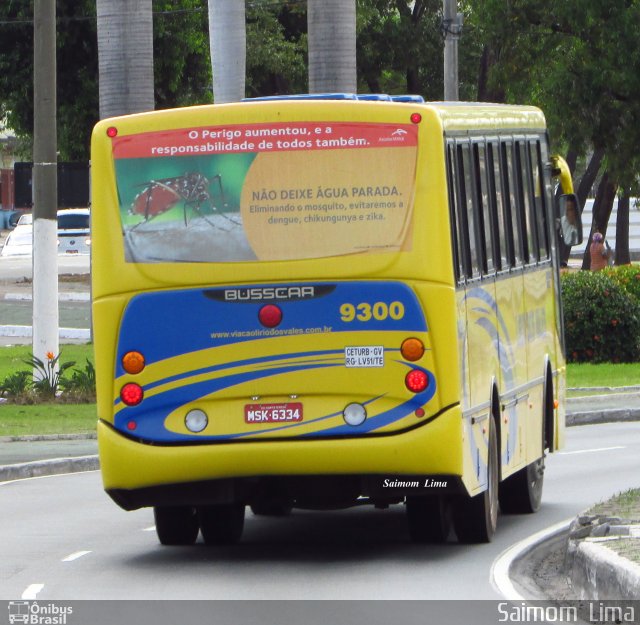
point(274, 307)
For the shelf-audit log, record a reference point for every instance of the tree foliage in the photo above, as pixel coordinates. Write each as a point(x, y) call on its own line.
point(182, 72)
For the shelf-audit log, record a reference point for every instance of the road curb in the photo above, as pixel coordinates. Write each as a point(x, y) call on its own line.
point(592, 417)
point(56, 466)
point(600, 573)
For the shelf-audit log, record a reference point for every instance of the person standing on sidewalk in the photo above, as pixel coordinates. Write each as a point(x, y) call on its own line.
point(598, 252)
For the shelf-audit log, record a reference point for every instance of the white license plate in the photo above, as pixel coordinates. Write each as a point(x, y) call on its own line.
point(273, 413)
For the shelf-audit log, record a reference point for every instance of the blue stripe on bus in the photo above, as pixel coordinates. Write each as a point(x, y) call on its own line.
point(164, 324)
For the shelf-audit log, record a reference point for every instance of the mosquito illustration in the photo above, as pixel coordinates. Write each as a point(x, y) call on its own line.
point(159, 196)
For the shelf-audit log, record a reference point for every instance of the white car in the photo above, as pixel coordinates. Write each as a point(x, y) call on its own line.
point(18, 242)
point(74, 235)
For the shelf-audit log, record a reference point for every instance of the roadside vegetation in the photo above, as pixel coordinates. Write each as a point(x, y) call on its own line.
point(602, 315)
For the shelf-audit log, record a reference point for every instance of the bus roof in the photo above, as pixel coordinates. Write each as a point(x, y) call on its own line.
point(455, 116)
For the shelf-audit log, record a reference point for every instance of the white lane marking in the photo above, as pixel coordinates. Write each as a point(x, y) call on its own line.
point(32, 591)
point(74, 556)
point(589, 451)
point(500, 568)
point(150, 529)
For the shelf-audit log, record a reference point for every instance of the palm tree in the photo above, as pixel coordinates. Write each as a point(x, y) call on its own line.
point(227, 39)
point(125, 56)
point(331, 27)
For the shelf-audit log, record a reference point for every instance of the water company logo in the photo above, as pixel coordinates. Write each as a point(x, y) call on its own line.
point(38, 613)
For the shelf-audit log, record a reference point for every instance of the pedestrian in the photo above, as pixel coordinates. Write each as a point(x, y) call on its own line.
point(599, 252)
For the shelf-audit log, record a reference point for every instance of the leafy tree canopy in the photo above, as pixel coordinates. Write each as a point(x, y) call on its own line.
point(182, 69)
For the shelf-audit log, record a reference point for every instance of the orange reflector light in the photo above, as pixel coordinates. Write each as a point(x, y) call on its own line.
point(420, 412)
point(131, 394)
point(270, 316)
point(412, 349)
point(416, 118)
point(133, 362)
point(112, 131)
point(416, 380)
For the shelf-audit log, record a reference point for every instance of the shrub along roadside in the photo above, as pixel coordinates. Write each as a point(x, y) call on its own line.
point(601, 319)
point(48, 383)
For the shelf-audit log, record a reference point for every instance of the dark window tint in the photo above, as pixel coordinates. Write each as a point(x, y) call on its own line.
point(73, 222)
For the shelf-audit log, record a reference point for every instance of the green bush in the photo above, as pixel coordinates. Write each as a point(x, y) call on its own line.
point(627, 276)
point(601, 320)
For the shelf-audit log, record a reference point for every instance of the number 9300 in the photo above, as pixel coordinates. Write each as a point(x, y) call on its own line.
point(366, 311)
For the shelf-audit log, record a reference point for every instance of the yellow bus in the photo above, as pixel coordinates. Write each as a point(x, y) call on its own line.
point(325, 301)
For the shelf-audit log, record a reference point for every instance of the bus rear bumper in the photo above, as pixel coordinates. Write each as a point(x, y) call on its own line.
point(424, 461)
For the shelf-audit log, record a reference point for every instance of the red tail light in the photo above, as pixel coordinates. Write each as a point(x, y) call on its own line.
point(131, 394)
point(416, 381)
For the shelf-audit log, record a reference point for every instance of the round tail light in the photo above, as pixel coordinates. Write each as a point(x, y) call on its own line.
point(416, 380)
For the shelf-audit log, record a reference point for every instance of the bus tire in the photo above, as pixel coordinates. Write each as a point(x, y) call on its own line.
point(429, 519)
point(176, 525)
point(475, 518)
point(221, 524)
point(521, 493)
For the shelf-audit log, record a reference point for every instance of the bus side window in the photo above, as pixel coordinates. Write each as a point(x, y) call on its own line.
point(465, 186)
point(540, 207)
point(486, 213)
point(454, 213)
point(526, 196)
point(512, 205)
point(500, 214)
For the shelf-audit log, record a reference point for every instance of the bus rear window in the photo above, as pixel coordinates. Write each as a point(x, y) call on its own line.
point(280, 191)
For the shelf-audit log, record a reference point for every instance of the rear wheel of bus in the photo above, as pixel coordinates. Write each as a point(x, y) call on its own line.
point(176, 525)
point(475, 518)
point(221, 524)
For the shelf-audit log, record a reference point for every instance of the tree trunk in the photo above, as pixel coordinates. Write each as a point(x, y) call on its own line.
point(589, 176)
point(622, 230)
point(125, 56)
point(331, 28)
point(228, 43)
point(602, 207)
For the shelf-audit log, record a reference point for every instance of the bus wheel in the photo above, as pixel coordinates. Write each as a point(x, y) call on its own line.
point(221, 524)
point(429, 519)
point(176, 525)
point(521, 493)
point(475, 518)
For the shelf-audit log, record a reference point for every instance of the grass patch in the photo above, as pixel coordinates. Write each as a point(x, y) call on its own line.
point(581, 375)
point(17, 420)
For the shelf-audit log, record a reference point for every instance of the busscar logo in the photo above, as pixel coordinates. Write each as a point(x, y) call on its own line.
point(34, 613)
point(269, 293)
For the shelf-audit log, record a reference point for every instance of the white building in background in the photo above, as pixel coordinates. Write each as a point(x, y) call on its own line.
point(610, 236)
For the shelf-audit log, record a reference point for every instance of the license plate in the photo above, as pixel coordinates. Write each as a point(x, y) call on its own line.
point(273, 413)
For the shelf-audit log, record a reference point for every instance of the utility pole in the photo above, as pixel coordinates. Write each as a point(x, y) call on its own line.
point(451, 28)
point(45, 183)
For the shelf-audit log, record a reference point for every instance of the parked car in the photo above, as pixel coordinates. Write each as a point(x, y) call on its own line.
point(26, 219)
point(74, 235)
point(18, 242)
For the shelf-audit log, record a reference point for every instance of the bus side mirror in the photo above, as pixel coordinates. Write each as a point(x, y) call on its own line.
point(570, 224)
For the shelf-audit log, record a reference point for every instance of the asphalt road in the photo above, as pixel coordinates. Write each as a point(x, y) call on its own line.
point(63, 538)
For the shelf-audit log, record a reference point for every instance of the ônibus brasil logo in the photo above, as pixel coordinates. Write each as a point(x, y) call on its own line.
point(34, 613)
